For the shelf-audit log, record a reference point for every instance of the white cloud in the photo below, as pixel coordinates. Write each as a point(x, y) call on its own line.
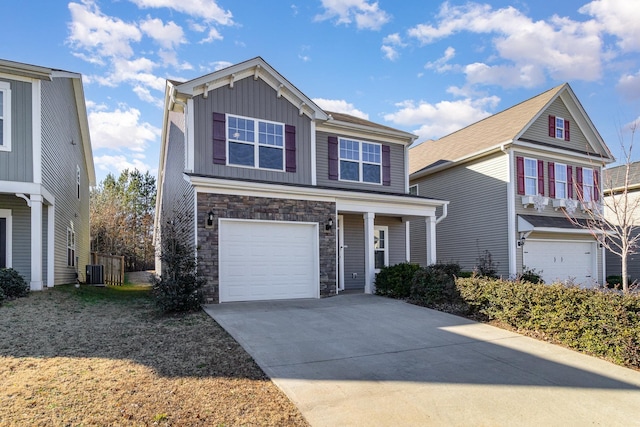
point(629, 86)
point(560, 47)
point(507, 76)
point(145, 95)
point(136, 72)
point(203, 9)
point(442, 64)
point(366, 14)
point(121, 129)
point(116, 164)
point(212, 35)
point(390, 46)
point(340, 106)
point(442, 118)
point(617, 17)
point(167, 35)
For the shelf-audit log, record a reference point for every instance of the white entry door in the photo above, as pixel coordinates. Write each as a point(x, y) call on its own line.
point(562, 261)
point(267, 260)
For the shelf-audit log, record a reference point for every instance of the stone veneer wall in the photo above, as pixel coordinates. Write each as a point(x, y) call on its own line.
point(265, 209)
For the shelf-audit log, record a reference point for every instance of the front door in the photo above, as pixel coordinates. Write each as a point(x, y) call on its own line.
point(3, 242)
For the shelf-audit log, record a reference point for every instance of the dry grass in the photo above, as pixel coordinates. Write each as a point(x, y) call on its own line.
point(104, 356)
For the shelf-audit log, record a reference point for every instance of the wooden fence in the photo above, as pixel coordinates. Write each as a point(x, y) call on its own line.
point(113, 266)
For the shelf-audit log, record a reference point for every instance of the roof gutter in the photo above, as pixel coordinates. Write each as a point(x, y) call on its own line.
point(445, 211)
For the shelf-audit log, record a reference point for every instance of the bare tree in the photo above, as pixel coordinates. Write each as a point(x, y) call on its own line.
point(613, 221)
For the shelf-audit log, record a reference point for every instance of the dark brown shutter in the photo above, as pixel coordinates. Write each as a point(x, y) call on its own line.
point(569, 182)
point(386, 165)
point(596, 185)
point(219, 139)
point(579, 186)
point(566, 130)
point(552, 179)
point(552, 126)
point(3, 242)
point(520, 174)
point(332, 143)
point(290, 146)
point(541, 177)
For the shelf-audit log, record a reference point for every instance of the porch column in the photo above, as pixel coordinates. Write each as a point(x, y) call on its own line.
point(36, 242)
point(431, 239)
point(369, 258)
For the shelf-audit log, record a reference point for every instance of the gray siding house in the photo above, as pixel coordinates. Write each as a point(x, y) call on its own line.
point(46, 168)
point(280, 198)
point(513, 181)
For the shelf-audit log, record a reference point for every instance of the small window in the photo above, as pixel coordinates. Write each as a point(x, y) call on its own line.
point(71, 247)
point(587, 184)
point(530, 177)
point(255, 143)
point(78, 180)
point(561, 181)
point(380, 246)
point(413, 190)
point(360, 161)
point(5, 116)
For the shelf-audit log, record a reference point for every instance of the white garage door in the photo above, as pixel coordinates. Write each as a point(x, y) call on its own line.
point(266, 260)
point(562, 261)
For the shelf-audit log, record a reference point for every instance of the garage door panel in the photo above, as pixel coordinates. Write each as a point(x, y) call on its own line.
point(261, 260)
point(562, 261)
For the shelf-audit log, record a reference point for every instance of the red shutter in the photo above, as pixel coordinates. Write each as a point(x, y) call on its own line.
point(566, 130)
point(386, 165)
point(552, 126)
point(596, 185)
point(219, 139)
point(520, 174)
point(552, 180)
point(569, 182)
point(579, 182)
point(332, 143)
point(290, 147)
point(541, 177)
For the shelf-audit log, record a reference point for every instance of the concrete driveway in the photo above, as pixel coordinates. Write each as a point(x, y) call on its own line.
point(365, 360)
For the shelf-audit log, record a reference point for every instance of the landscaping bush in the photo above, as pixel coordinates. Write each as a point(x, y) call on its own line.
point(614, 282)
point(395, 281)
point(13, 284)
point(435, 284)
point(531, 275)
point(2, 297)
point(605, 324)
point(485, 266)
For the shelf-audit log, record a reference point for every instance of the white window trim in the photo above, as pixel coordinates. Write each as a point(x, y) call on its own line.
point(5, 88)
point(565, 182)
point(535, 161)
point(386, 245)
point(256, 144)
point(71, 245)
point(78, 181)
point(6, 214)
point(411, 187)
point(563, 128)
point(588, 188)
point(359, 161)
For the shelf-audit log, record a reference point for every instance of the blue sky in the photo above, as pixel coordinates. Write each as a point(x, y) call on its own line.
point(428, 67)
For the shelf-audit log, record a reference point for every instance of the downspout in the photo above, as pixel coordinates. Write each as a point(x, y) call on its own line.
point(444, 213)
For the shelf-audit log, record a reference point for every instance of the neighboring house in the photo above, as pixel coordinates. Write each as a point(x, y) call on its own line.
point(46, 168)
point(613, 182)
point(281, 198)
point(512, 180)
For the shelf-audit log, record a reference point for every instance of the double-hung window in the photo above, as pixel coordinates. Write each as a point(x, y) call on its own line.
point(5, 116)
point(360, 161)
point(587, 184)
point(255, 143)
point(530, 177)
point(560, 127)
point(71, 247)
point(561, 181)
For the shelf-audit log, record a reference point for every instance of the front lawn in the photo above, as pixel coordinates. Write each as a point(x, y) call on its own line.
point(105, 356)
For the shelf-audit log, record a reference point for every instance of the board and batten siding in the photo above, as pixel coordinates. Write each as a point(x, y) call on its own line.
point(21, 234)
point(477, 217)
point(252, 99)
point(397, 168)
point(539, 130)
point(178, 196)
point(62, 154)
point(17, 164)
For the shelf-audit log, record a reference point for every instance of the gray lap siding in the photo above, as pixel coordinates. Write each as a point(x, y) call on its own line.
point(17, 164)
point(264, 209)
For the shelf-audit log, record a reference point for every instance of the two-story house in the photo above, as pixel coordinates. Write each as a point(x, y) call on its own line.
point(46, 168)
point(281, 198)
point(513, 181)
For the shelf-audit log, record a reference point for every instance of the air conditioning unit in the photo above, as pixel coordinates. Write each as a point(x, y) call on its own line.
point(95, 274)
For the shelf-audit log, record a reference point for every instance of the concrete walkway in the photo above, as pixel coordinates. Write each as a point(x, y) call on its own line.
point(356, 360)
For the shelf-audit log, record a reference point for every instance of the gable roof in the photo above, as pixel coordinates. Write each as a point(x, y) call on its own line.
point(613, 179)
point(499, 129)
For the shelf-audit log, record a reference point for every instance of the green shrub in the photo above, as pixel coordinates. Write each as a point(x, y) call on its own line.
point(13, 284)
point(531, 275)
point(2, 297)
point(485, 266)
point(435, 285)
point(395, 281)
point(605, 324)
point(614, 282)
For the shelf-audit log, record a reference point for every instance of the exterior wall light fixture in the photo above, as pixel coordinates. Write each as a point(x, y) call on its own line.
point(329, 224)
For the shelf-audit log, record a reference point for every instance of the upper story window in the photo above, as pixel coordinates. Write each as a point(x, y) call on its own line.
point(255, 143)
point(5, 116)
point(530, 177)
point(561, 181)
point(413, 190)
point(78, 180)
point(559, 128)
point(360, 161)
point(587, 184)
